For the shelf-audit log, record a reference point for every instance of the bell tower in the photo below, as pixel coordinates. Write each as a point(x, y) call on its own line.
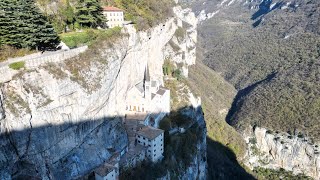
point(147, 84)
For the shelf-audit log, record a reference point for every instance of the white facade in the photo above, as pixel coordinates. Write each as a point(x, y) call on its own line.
point(114, 16)
point(148, 97)
point(153, 139)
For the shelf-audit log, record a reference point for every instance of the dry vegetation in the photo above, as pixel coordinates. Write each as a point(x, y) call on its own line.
point(11, 52)
point(55, 70)
point(144, 13)
point(15, 104)
point(79, 66)
point(179, 93)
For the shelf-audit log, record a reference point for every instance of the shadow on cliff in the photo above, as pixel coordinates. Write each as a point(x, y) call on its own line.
point(71, 150)
point(63, 151)
point(223, 164)
point(59, 151)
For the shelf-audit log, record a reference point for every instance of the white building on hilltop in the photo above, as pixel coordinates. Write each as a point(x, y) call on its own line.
point(150, 98)
point(114, 16)
point(153, 139)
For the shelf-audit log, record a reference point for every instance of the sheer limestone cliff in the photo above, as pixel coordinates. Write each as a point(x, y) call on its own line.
point(275, 150)
point(60, 120)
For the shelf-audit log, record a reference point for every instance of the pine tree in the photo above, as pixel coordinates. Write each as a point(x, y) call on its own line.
point(67, 14)
point(89, 13)
point(23, 26)
point(9, 23)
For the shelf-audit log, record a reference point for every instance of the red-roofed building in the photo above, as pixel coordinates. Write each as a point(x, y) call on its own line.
point(114, 16)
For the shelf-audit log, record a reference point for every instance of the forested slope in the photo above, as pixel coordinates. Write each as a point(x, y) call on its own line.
point(289, 102)
point(269, 50)
point(245, 54)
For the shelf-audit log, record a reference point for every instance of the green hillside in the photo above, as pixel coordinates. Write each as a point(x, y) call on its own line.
point(274, 63)
point(289, 102)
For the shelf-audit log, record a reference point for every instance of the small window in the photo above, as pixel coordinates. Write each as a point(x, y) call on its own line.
point(144, 138)
point(154, 155)
point(154, 151)
point(154, 145)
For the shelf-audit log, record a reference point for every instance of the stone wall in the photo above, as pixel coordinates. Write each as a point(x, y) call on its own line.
point(35, 60)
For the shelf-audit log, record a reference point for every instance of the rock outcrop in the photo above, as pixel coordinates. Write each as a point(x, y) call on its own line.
point(198, 167)
point(181, 48)
point(57, 121)
point(275, 150)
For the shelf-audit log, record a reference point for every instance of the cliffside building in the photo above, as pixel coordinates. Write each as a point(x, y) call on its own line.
point(149, 100)
point(114, 16)
point(151, 138)
point(106, 172)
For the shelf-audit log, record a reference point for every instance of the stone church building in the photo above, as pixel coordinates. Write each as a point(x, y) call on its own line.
point(148, 99)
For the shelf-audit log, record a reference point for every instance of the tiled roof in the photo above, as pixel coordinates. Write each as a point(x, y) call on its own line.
point(149, 132)
point(104, 170)
point(153, 95)
point(161, 92)
point(139, 86)
point(110, 8)
point(137, 116)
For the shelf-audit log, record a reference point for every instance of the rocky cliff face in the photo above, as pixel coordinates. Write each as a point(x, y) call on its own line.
point(60, 120)
point(276, 150)
point(198, 170)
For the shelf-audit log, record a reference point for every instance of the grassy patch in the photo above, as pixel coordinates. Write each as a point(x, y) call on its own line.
point(17, 65)
point(87, 37)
